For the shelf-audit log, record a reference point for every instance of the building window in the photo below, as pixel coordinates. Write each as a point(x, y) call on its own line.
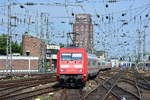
point(28, 53)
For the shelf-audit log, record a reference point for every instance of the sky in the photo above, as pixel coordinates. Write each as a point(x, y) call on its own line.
point(120, 28)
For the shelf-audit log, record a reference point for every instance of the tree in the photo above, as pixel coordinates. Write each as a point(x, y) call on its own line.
point(61, 45)
point(3, 44)
point(16, 47)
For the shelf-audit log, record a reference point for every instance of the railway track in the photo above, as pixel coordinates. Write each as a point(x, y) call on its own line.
point(110, 85)
point(19, 87)
point(139, 84)
point(14, 88)
point(28, 94)
point(121, 92)
point(7, 83)
point(102, 91)
point(71, 94)
point(110, 90)
point(25, 82)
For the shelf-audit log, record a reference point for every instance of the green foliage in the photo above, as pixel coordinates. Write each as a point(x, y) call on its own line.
point(21, 48)
point(61, 45)
point(3, 44)
point(16, 48)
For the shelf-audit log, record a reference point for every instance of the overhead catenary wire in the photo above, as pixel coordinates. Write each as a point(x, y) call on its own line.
point(98, 20)
point(129, 21)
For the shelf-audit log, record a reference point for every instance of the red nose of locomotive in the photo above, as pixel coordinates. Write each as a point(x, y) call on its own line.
point(71, 64)
point(71, 67)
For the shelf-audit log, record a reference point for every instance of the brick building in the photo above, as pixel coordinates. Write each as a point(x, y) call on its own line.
point(33, 50)
point(84, 28)
point(20, 64)
point(32, 46)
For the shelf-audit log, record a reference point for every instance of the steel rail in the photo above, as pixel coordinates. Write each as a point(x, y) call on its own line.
point(16, 89)
point(110, 89)
point(102, 86)
point(113, 87)
point(23, 82)
point(110, 83)
point(29, 94)
point(129, 92)
point(138, 83)
point(138, 90)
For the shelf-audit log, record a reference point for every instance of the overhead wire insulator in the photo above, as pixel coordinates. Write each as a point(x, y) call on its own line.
point(21, 6)
point(72, 14)
point(123, 14)
point(111, 1)
point(98, 16)
point(106, 6)
point(107, 17)
point(96, 24)
point(125, 23)
point(146, 15)
point(145, 26)
point(30, 3)
point(62, 22)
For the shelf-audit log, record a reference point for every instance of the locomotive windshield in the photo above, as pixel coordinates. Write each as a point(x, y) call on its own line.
point(71, 56)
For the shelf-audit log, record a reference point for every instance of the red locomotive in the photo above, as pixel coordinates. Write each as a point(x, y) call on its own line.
point(74, 65)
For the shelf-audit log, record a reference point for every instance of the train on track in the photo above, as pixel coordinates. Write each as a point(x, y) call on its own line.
point(144, 65)
point(75, 65)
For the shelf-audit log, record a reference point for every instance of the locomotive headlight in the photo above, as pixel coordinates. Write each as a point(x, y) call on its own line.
point(64, 66)
point(62, 70)
point(78, 66)
point(80, 70)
